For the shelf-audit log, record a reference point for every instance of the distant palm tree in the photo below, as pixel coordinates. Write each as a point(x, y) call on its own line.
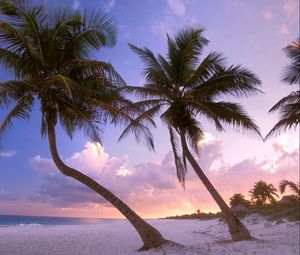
point(187, 88)
point(293, 186)
point(289, 106)
point(263, 192)
point(238, 199)
point(49, 54)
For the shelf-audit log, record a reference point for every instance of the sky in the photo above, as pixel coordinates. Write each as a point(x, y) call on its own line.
point(248, 32)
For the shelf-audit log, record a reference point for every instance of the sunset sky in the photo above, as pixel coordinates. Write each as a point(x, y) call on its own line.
point(249, 32)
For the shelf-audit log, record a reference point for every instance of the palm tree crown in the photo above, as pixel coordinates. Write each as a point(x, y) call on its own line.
point(293, 186)
point(49, 54)
point(262, 192)
point(289, 106)
point(185, 87)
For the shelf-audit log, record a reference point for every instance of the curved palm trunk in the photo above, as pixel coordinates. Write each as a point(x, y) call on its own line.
point(150, 236)
point(236, 228)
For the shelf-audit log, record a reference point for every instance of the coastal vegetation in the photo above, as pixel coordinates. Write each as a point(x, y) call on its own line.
point(287, 208)
point(262, 192)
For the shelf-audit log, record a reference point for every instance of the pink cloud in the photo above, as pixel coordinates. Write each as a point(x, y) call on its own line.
point(290, 7)
point(268, 15)
point(283, 30)
point(151, 188)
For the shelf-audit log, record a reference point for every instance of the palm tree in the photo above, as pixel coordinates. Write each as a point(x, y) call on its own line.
point(289, 106)
point(263, 192)
point(238, 199)
point(185, 88)
point(49, 54)
point(293, 186)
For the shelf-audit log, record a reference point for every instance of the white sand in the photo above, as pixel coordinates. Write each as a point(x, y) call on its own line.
point(119, 238)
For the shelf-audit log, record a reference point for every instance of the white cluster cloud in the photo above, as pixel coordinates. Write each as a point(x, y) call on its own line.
point(7, 154)
point(108, 5)
point(177, 7)
point(152, 187)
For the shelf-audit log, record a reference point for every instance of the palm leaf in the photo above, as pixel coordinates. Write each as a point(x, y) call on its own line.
point(292, 72)
point(294, 187)
point(234, 115)
point(180, 164)
point(234, 80)
point(206, 68)
point(20, 110)
point(291, 98)
point(138, 128)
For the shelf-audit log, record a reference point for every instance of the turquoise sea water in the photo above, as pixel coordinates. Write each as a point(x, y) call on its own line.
point(20, 220)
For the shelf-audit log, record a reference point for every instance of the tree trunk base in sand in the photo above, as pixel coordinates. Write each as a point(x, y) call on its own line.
point(237, 230)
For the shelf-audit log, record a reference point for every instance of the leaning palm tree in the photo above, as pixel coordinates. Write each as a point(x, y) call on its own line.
point(289, 106)
point(184, 88)
point(293, 186)
point(263, 192)
point(49, 54)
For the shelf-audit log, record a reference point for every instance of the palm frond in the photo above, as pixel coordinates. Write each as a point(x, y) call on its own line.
point(189, 43)
point(180, 162)
point(293, 120)
point(194, 134)
point(133, 108)
point(289, 108)
point(11, 91)
point(206, 69)
point(153, 71)
point(10, 60)
point(138, 127)
point(21, 110)
point(294, 187)
point(141, 133)
point(26, 17)
point(233, 114)
point(234, 81)
point(292, 72)
point(294, 97)
point(16, 42)
point(93, 31)
point(64, 82)
point(142, 93)
point(205, 110)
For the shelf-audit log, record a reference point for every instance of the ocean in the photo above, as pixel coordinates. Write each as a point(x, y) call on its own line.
point(21, 220)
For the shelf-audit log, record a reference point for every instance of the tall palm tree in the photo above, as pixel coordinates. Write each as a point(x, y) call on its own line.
point(293, 186)
point(49, 54)
point(263, 192)
point(289, 106)
point(238, 199)
point(184, 88)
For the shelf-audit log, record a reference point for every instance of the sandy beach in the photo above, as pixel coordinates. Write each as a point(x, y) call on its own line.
point(118, 237)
